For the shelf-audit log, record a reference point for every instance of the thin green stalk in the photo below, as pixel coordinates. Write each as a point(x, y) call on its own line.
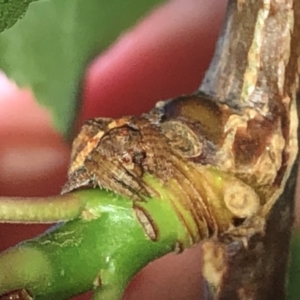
point(40, 210)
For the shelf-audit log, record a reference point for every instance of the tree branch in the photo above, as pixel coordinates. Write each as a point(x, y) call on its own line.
point(256, 66)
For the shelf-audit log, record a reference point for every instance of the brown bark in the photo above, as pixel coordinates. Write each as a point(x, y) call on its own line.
point(256, 65)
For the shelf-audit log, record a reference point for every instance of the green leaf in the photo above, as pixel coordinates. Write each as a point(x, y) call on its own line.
point(50, 47)
point(11, 11)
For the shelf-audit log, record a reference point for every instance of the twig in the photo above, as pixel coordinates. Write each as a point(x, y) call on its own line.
point(40, 209)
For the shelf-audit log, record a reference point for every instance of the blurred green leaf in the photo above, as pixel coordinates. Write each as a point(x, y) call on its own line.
point(11, 11)
point(294, 271)
point(50, 47)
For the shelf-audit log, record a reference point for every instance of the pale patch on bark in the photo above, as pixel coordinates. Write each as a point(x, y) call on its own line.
point(251, 73)
point(241, 199)
point(214, 266)
point(90, 146)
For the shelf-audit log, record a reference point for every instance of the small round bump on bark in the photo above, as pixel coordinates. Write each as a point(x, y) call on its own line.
point(182, 138)
point(241, 199)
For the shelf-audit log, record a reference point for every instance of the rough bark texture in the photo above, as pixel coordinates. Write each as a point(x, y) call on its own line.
point(256, 65)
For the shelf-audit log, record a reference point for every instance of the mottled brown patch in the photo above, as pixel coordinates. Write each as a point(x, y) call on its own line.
point(87, 139)
point(251, 141)
point(111, 158)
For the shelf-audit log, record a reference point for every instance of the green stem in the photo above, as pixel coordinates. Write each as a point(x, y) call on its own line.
point(40, 210)
point(111, 237)
point(102, 249)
